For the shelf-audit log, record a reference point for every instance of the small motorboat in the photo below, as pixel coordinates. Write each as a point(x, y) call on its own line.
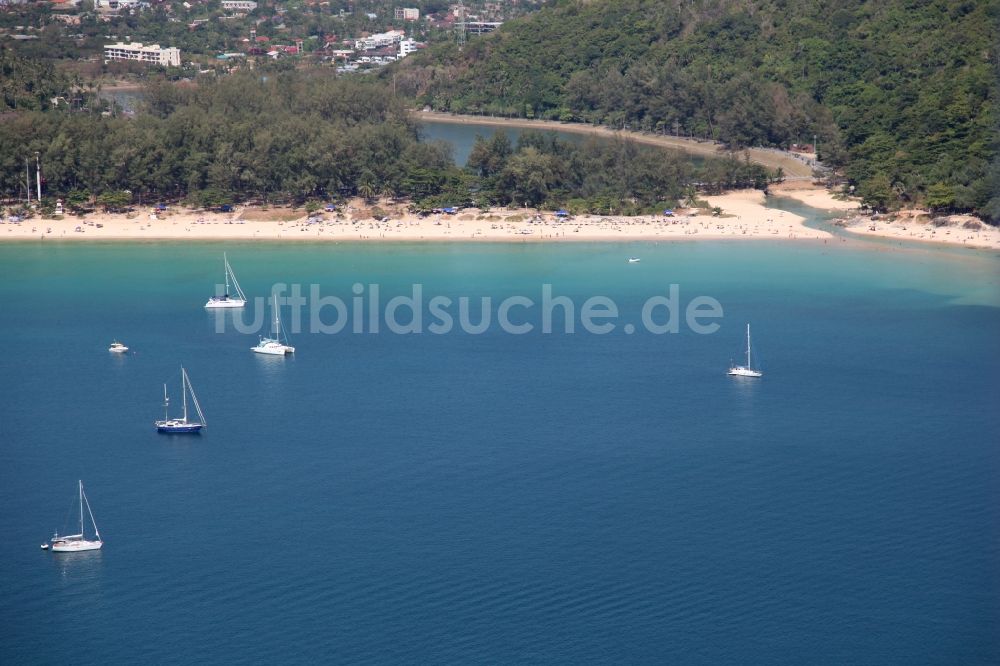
point(45, 546)
point(117, 348)
point(634, 260)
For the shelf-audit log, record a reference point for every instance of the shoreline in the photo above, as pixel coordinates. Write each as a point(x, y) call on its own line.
point(918, 227)
point(744, 216)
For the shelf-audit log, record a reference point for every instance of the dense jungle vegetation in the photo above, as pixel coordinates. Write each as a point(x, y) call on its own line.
point(900, 95)
point(296, 136)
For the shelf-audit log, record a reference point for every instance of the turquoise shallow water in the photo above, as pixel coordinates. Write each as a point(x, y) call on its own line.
point(495, 497)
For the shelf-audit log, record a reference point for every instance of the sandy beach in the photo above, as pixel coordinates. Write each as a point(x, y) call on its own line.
point(961, 230)
point(815, 196)
point(744, 215)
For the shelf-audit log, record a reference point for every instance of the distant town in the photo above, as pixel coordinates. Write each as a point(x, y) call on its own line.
point(220, 35)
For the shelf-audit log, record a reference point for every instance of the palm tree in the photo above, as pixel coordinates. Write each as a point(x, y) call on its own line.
point(366, 187)
point(387, 192)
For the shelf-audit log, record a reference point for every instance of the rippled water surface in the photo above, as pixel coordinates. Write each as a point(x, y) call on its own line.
point(506, 498)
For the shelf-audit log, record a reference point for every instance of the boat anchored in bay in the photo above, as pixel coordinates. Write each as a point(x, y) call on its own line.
point(117, 348)
point(181, 425)
point(745, 370)
point(278, 345)
point(75, 543)
point(227, 301)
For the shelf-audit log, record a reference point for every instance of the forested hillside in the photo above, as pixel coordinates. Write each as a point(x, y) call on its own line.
point(295, 136)
point(901, 95)
point(281, 136)
point(27, 83)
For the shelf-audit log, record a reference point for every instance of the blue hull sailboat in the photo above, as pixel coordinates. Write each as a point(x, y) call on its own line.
point(181, 425)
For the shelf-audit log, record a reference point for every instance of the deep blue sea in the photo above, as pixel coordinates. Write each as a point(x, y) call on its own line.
point(500, 498)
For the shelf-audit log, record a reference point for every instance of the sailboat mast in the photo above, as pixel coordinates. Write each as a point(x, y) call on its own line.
point(166, 404)
point(277, 320)
point(225, 260)
point(748, 346)
point(81, 507)
point(184, 393)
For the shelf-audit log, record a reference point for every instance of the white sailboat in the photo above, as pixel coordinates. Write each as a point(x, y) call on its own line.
point(745, 370)
point(227, 301)
point(117, 348)
point(77, 542)
point(181, 425)
point(278, 345)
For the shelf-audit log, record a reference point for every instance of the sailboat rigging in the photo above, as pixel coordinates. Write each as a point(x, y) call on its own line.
point(278, 345)
point(745, 370)
point(77, 542)
point(227, 301)
point(181, 425)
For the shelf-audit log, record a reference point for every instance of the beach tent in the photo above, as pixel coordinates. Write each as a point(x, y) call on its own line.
point(668, 213)
point(562, 212)
point(449, 210)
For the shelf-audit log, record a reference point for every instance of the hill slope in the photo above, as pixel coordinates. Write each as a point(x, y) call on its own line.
point(899, 94)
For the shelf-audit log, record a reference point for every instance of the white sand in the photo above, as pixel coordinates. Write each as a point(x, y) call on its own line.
point(916, 226)
point(744, 216)
point(815, 196)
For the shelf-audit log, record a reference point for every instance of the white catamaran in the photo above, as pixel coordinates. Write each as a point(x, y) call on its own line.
point(181, 425)
point(278, 345)
point(77, 542)
point(745, 370)
point(227, 301)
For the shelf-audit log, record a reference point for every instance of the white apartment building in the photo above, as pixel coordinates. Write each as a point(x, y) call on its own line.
point(406, 47)
point(150, 54)
point(407, 14)
point(379, 41)
point(239, 5)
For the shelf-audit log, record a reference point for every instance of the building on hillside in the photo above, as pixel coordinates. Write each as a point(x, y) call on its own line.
point(407, 14)
point(239, 5)
point(379, 41)
point(150, 54)
point(481, 27)
point(408, 46)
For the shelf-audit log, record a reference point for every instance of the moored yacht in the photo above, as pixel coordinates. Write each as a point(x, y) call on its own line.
point(117, 348)
point(181, 425)
point(226, 300)
point(74, 543)
point(278, 345)
point(745, 370)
